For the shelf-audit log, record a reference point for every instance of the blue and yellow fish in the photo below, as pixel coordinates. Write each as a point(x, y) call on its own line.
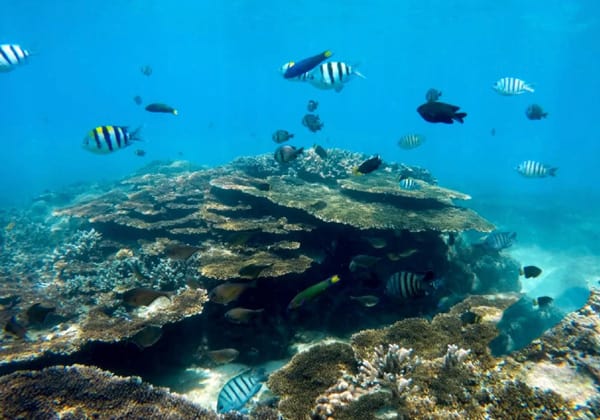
point(293, 69)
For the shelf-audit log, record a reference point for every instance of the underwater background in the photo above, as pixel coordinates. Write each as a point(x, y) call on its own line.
point(218, 63)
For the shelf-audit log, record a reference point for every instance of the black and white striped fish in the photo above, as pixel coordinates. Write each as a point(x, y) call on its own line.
point(406, 284)
point(11, 56)
point(409, 184)
point(509, 86)
point(333, 75)
point(533, 169)
point(410, 141)
point(109, 138)
point(238, 390)
point(499, 240)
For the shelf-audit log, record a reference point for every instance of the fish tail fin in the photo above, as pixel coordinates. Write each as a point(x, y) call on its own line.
point(459, 116)
point(327, 53)
point(355, 171)
point(359, 74)
point(552, 171)
point(135, 135)
point(334, 279)
point(528, 87)
point(175, 112)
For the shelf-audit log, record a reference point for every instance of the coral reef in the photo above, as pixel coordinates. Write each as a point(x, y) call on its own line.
point(80, 392)
point(449, 373)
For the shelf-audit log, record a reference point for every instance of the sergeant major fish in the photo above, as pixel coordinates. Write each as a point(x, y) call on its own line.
point(12, 56)
point(410, 141)
point(406, 284)
point(408, 184)
point(236, 393)
point(106, 139)
point(533, 169)
point(333, 75)
point(499, 240)
point(510, 86)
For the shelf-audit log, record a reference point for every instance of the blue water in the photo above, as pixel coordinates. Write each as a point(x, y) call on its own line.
point(218, 62)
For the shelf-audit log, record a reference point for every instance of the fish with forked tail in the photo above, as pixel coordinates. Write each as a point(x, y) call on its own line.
point(440, 112)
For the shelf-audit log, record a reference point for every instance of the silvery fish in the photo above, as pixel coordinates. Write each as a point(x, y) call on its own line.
point(533, 169)
point(238, 390)
point(333, 75)
point(409, 184)
point(11, 56)
point(510, 86)
point(499, 240)
point(410, 141)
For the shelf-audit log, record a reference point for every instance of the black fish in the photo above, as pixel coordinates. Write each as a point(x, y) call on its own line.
point(531, 271)
point(320, 151)
point(164, 108)
point(141, 296)
point(368, 166)
point(286, 154)
point(147, 337)
point(281, 136)
point(535, 112)
point(37, 313)
point(470, 317)
point(312, 122)
point(312, 105)
point(440, 112)
point(15, 328)
point(543, 301)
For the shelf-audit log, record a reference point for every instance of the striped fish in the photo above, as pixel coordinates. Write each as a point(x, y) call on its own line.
point(11, 56)
point(109, 138)
point(409, 184)
point(333, 75)
point(499, 240)
point(238, 390)
point(510, 86)
point(533, 169)
point(410, 141)
point(406, 284)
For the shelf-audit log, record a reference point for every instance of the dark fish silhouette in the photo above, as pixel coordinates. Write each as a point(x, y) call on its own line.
point(312, 106)
point(305, 65)
point(542, 301)
point(312, 122)
point(15, 328)
point(163, 108)
point(37, 313)
point(535, 112)
point(223, 355)
point(140, 152)
point(440, 112)
point(137, 99)
point(180, 251)
point(368, 166)
point(433, 95)
point(320, 151)
point(531, 271)
point(286, 154)
point(470, 317)
point(147, 337)
point(281, 136)
point(142, 296)
point(146, 70)
point(253, 270)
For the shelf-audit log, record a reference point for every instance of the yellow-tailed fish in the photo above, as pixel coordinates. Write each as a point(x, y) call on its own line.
point(312, 292)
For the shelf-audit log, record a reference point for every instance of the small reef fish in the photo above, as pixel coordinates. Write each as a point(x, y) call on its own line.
point(362, 262)
point(411, 141)
point(535, 112)
point(533, 169)
point(333, 75)
point(106, 139)
point(530, 271)
point(10, 226)
point(223, 356)
point(146, 70)
point(470, 317)
point(312, 105)
point(147, 337)
point(15, 328)
point(286, 154)
point(140, 152)
point(12, 56)
point(408, 184)
point(440, 112)
point(368, 301)
point(542, 301)
point(242, 315)
point(239, 390)
point(162, 108)
point(376, 242)
point(320, 151)
point(281, 136)
point(137, 99)
point(368, 166)
point(432, 95)
point(499, 240)
point(295, 69)
point(510, 86)
point(182, 252)
point(37, 313)
point(142, 296)
point(312, 122)
point(253, 270)
point(405, 284)
point(312, 292)
point(395, 256)
point(228, 292)
point(318, 205)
